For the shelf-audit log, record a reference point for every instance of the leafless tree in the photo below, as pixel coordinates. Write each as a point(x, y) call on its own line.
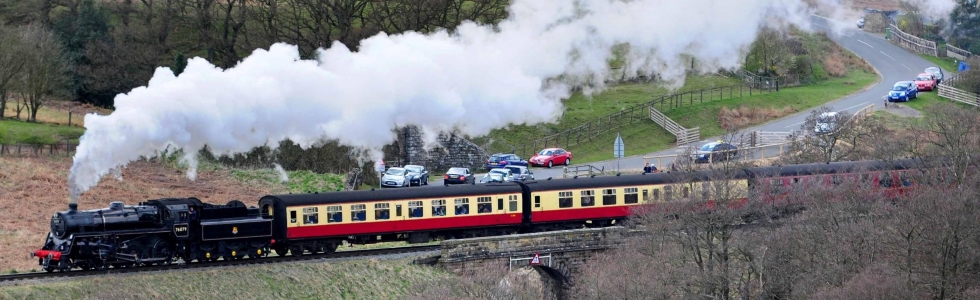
point(827, 136)
point(11, 63)
point(486, 283)
point(953, 133)
point(43, 71)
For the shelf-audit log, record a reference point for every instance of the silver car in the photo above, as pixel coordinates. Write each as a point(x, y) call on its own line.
point(498, 175)
point(395, 177)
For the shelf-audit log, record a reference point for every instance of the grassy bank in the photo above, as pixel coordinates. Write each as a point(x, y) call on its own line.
point(948, 64)
point(356, 279)
point(15, 131)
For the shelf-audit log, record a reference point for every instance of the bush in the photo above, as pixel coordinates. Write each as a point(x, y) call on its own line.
point(40, 138)
point(835, 64)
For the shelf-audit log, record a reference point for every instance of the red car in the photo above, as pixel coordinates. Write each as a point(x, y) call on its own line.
point(925, 81)
point(551, 156)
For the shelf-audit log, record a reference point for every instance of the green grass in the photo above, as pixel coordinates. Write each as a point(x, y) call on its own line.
point(645, 136)
point(354, 279)
point(948, 64)
point(14, 132)
point(926, 99)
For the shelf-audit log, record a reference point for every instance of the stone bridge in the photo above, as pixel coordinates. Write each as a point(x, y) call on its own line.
point(561, 253)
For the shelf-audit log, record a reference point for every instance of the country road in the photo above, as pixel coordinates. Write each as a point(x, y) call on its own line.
point(892, 63)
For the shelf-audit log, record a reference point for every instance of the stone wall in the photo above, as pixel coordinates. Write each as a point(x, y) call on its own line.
point(453, 151)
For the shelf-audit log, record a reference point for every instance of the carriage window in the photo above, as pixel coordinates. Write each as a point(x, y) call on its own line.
point(905, 178)
point(685, 192)
point(310, 215)
point(381, 211)
point(775, 186)
point(609, 197)
point(292, 216)
point(646, 195)
point(398, 210)
point(656, 195)
point(335, 214)
point(438, 208)
point(484, 205)
point(866, 179)
point(631, 196)
point(885, 179)
point(513, 202)
point(358, 212)
point(537, 201)
point(500, 204)
point(588, 198)
point(462, 206)
point(796, 180)
point(668, 193)
point(414, 209)
point(837, 179)
point(564, 199)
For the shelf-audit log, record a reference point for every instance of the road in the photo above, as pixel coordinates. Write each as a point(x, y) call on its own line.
point(892, 63)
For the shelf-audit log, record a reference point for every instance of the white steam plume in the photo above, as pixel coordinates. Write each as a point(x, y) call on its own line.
point(475, 79)
point(283, 176)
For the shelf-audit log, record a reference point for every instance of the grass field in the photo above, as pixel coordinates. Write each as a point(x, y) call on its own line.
point(15, 131)
point(352, 279)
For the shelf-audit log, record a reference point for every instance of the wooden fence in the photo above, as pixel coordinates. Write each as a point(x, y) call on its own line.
point(957, 53)
point(742, 154)
point(948, 90)
point(66, 148)
point(636, 113)
point(913, 43)
point(684, 135)
point(583, 170)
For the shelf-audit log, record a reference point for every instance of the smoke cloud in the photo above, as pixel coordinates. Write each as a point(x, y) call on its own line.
point(475, 79)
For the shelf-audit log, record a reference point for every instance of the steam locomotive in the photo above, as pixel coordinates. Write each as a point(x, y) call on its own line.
point(165, 231)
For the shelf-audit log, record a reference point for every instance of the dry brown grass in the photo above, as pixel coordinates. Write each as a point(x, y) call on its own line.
point(836, 64)
point(31, 189)
point(744, 116)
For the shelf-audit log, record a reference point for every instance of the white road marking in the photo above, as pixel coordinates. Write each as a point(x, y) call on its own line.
point(865, 43)
point(886, 54)
point(907, 67)
point(818, 25)
point(795, 124)
point(862, 103)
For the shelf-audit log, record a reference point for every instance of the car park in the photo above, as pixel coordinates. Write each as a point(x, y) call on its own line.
point(550, 157)
point(521, 173)
point(903, 91)
point(458, 176)
point(826, 123)
point(417, 175)
point(395, 177)
point(498, 175)
point(504, 159)
point(936, 72)
point(925, 81)
point(715, 151)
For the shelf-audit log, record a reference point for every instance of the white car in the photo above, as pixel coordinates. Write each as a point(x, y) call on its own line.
point(395, 177)
point(826, 123)
point(498, 175)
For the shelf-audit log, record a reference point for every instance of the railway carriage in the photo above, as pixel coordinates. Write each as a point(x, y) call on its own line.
point(320, 222)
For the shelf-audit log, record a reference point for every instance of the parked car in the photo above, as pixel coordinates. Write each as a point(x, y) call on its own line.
point(417, 175)
point(521, 173)
point(715, 151)
point(502, 159)
point(395, 177)
point(826, 123)
point(860, 22)
point(904, 91)
point(498, 175)
point(937, 72)
point(458, 176)
point(925, 81)
point(551, 156)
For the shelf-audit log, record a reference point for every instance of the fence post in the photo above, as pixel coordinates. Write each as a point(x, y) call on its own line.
point(740, 91)
point(702, 96)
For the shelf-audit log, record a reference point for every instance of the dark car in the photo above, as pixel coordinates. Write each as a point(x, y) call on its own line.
point(459, 176)
point(521, 173)
point(716, 151)
point(417, 175)
point(500, 160)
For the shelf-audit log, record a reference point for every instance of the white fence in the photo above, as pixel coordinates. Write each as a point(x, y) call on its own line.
point(912, 42)
point(684, 135)
point(957, 53)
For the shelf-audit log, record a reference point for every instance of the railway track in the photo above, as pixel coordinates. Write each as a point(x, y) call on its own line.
point(222, 263)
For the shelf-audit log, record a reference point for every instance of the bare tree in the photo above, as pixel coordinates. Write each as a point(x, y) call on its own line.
point(828, 136)
point(43, 70)
point(952, 133)
point(11, 63)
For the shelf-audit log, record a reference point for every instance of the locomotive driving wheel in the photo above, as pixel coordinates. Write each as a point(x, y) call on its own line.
point(162, 249)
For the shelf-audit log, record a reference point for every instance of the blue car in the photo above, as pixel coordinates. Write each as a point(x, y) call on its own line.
point(501, 160)
point(903, 91)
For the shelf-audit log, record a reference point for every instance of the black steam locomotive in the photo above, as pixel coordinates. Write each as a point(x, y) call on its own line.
point(153, 232)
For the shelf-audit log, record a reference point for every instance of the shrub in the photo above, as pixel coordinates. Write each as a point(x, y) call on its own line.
point(835, 64)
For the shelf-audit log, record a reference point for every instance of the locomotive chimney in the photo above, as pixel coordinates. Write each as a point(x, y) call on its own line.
point(72, 207)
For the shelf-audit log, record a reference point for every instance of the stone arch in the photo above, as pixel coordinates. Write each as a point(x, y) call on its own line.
point(555, 280)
